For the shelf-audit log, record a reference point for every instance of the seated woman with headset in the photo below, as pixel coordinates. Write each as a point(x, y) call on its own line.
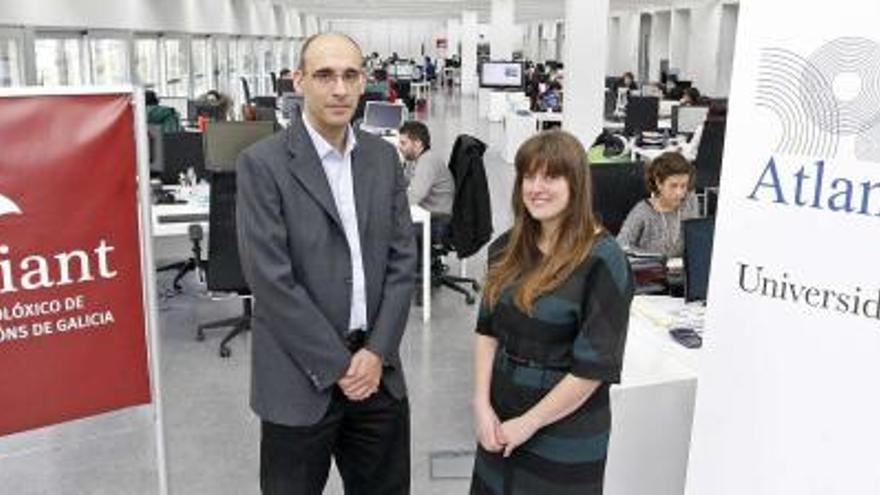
point(654, 225)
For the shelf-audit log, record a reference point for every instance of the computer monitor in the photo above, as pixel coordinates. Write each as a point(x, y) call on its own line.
point(641, 114)
point(183, 150)
point(502, 75)
point(225, 140)
point(611, 82)
point(155, 148)
point(383, 116)
point(698, 236)
point(211, 112)
point(686, 118)
point(285, 85)
point(402, 71)
point(265, 101)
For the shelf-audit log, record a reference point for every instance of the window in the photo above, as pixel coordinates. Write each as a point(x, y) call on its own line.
point(109, 61)
point(266, 65)
point(146, 63)
point(10, 65)
point(247, 66)
point(201, 81)
point(223, 67)
point(176, 55)
point(59, 60)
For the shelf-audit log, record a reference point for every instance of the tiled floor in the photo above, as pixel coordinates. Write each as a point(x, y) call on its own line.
point(212, 436)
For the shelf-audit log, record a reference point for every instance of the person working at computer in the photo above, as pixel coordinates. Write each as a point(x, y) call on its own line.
point(326, 246)
point(550, 332)
point(654, 225)
point(690, 96)
point(162, 116)
point(717, 113)
point(431, 184)
point(216, 100)
point(627, 81)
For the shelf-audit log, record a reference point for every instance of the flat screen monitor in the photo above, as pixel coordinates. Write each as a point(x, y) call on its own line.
point(502, 75)
point(154, 147)
point(211, 112)
point(225, 140)
point(611, 82)
point(698, 236)
point(686, 118)
point(641, 114)
point(383, 116)
point(285, 85)
point(402, 71)
point(182, 150)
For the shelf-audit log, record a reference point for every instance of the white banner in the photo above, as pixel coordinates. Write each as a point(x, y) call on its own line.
point(787, 399)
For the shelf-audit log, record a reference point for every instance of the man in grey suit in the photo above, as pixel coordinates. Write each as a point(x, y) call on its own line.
point(326, 246)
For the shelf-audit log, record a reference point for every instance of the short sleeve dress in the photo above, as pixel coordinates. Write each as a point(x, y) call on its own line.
point(578, 328)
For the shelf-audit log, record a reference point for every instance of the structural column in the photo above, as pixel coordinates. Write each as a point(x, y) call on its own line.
point(469, 34)
point(584, 54)
point(502, 30)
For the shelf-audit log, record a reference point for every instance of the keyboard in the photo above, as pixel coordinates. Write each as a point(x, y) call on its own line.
point(183, 218)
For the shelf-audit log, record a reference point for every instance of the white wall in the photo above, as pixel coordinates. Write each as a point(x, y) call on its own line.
point(404, 36)
point(699, 41)
point(251, 17)
point(679, 43)
point(660, 30)
point(626, 43)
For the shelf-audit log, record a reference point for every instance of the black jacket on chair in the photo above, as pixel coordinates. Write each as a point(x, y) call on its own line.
point(471, 225)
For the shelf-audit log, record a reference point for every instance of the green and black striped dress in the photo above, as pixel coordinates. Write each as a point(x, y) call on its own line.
point(578, 328)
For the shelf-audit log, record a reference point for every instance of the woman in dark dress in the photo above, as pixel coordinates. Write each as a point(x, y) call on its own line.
point(551, 332)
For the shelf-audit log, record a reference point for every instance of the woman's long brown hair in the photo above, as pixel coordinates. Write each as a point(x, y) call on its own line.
point(555, 153)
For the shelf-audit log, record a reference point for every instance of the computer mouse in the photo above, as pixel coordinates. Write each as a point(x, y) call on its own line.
point(687, 337)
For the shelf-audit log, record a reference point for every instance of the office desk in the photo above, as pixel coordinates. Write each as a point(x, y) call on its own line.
point(653, 406)
point(171, 239)
point(542, 117)
point(619, 126)
point(421, 90)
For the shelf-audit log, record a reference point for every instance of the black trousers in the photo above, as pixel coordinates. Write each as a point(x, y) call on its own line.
point(370, 441)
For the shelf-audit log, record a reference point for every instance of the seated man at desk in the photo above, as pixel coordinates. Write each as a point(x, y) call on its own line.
point(431, 185)
point(654, 225)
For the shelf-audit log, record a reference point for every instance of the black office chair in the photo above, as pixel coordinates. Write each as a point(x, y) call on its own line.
point(470, 226)
point(246, 90)
point(709, 153)
point(617, 188)
point(223, 273)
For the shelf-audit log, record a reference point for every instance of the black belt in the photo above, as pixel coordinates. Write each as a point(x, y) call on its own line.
point(356, 339)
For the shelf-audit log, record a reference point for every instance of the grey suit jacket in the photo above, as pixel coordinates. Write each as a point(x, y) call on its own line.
point(295, 257)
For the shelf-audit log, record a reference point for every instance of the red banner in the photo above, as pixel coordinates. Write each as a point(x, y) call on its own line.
point(72, 325)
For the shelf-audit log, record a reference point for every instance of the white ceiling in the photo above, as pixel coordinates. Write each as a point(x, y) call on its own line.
point(524, 10)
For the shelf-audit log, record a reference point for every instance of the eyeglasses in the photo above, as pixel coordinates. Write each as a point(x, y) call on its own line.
point(327, 78)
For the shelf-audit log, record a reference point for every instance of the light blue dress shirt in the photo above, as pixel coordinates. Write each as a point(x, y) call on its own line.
point(337, 168)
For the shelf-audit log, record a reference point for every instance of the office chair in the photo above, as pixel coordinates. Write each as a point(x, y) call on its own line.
point(194, 263)
point(246, 90)
point(617, 188)
point(470, 226)
point(709, 154)
point(274, 78)
point(223, 273)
